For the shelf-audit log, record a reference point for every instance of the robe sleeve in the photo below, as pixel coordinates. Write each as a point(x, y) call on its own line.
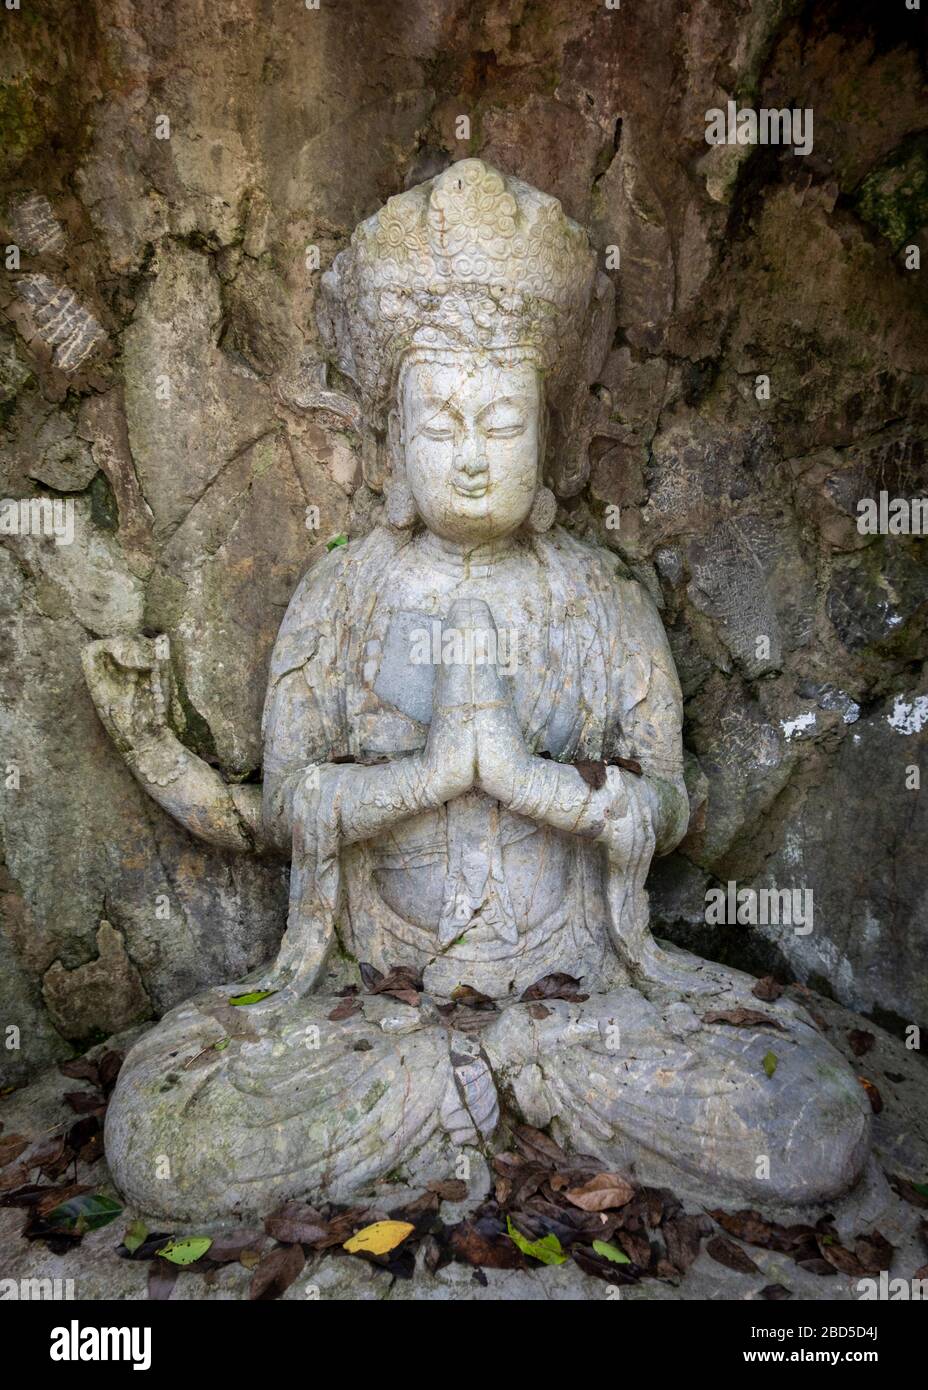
point(304, 712)
point(650, 714)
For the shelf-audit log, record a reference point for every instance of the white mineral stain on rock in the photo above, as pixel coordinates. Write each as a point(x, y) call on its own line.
point(792, 728)
point(909, 718)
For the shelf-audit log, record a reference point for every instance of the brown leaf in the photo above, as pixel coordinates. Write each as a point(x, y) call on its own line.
point(471, 998)
point(27, 1196)
point(346, 1009)
point(276, 1273)
point(162, 1276)
point(817, 1266)
point(636, 1246)
point(85, 1138)
point(602, 1193)
point(769, 989)
point(370, 975)
point(110, 1064)
point(538, 1011)
point(842, 1259)
point(593, 773)
point(683, 1237)
point(540, 1217)
point(518, 1179)
point(13, 1178)
point(874, 1251)
point(658, 1204)
point(433, 1256)
point(449, 1189)
point(11, 1146)
point(54, 1196)
point(873, 1095)
point(630, 765)
point(296, 1223)
point(604, 1269)
point(403, 982)
point(538, 1147)
point(557, 985)
point(861, 1041)
point(342, 1225)
point(482, 1241)
point(419, 1212)
point(231, 1245)
point(726, 1252)
point(80, 1069)
point(49, 1156)
point(743, 1018)
point(775, 1293)
point(85, 1102)
point(746, 1225)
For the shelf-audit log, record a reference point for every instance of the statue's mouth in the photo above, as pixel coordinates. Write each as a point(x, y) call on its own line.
point(471, 489)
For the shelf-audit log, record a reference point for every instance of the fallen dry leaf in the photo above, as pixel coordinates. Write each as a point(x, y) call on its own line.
point(276, 1272)
point(162, 1277)
point(726, 1252)
point(557, 985)
point(874, 1252)
point(346, 1009)
point(449, 1190)
point(601, 1193)
point(11, 1146)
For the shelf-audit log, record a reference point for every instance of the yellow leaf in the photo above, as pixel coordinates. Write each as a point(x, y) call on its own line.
point(380, 1238)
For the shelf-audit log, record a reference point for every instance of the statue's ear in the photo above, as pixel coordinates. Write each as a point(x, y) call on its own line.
point(374, 458)
point(395, 440)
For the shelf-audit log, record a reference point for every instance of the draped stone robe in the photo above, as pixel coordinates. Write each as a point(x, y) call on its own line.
point(471, 891)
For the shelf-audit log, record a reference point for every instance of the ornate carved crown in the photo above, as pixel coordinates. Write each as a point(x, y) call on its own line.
point(470, 259)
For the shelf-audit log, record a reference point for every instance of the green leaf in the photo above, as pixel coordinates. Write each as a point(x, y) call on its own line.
point(185, 1251)
point(770, 1063)
point(921, 1188)
point(221, 1046)
point(336, 541)
point(86, 1212)
point(254, 997)
point(611, 1252)
point(136, 1235)
point(548, 1250)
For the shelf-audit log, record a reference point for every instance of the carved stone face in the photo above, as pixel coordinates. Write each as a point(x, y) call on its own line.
point(471, 428)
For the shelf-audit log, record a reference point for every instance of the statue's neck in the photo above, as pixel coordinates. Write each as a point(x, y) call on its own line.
point(465, 558)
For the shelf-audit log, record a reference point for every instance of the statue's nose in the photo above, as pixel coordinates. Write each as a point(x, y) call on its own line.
point(470, 458)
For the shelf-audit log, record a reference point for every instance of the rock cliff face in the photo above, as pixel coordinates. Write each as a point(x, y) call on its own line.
point(174, 180)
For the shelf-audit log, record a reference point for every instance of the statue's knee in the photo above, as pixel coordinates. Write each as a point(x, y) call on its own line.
point(812, 1135)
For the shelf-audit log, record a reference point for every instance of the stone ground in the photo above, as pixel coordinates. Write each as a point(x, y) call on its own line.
point(900, 1148)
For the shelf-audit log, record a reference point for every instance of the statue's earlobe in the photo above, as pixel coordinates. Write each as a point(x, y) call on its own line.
point(401, 505)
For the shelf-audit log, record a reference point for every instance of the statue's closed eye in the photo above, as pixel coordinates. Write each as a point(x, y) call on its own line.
point(506, 431)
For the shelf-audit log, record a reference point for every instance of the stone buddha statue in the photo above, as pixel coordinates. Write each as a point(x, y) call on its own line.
point(472, 752)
